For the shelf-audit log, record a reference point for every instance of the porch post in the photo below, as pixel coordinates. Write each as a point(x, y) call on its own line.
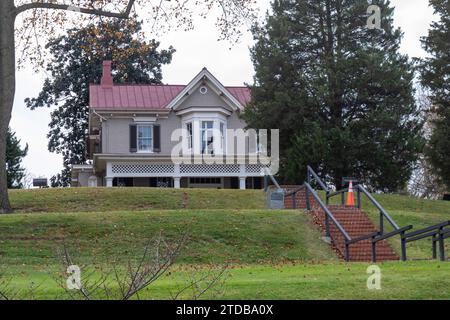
point(242, 183)
point(109, 182)
point(177, 183)
point(109, 175)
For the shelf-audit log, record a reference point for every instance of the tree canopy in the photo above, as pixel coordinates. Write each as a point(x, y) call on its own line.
point(77, 62)
point(14, 157)
point(435, 77)
point(341, 93)
point(25, 24)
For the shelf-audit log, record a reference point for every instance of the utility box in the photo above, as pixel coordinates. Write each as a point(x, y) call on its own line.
point(276, 199)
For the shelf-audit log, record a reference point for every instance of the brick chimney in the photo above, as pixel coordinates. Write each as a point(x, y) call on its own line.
point(107, 80)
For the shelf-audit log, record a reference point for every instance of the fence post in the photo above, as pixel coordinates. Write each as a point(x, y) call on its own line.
point(441, 244)
point(381, 223)
point(328, 199)
point(266, 183)
point(374, 251)
point(403, 241)
point(343, 198)
point(308, 205)
point(358, 192)
point(434, 240)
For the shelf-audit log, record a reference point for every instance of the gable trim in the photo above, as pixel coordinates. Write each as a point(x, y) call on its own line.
point(217, 87)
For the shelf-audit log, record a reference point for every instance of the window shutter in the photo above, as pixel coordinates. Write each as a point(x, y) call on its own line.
point(156, 138)
point(133, 138)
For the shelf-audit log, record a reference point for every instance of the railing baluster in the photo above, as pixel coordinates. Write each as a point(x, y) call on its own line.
point(434, 240)
point(441, 244)
point(308, 205)
point(358, 192)
point(381, 223)
point(403, 244)
point(374, 251)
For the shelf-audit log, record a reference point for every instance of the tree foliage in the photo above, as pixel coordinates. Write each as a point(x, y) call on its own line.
point(340, 92)
point(14, 157)
point(435, 76)
point(25, 24)
point(77, 62)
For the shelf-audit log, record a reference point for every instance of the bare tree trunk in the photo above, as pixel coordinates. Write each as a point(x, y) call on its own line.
point(7, 90)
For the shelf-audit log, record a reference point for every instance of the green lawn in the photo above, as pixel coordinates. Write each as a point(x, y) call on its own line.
point(270, 254)
point(215, 236)
point(132, 199)
point(412, 280)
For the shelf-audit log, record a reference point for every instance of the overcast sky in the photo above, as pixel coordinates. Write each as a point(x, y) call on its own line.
point(195, 49)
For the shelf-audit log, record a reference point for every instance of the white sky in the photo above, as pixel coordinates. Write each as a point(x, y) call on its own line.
point(195, 49)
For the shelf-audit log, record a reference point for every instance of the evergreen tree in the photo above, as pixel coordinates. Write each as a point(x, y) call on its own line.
point(340, 93)
point(77, 62)
point(14, 155)
point(435, 76)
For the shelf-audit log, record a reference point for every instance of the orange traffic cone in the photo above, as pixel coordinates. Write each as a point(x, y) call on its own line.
point(350, 197)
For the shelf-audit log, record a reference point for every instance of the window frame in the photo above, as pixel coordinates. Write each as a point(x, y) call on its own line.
point(204, 130)
point(151, 138)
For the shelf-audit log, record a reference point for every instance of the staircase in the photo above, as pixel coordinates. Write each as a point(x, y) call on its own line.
point(357, 224)
point(354, 221)
point(350, 231)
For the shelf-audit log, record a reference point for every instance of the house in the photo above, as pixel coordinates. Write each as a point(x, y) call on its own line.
point(177, 136)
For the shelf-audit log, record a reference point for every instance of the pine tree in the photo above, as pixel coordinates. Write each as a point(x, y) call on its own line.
point(340, 93)
point(435, 76)
point(76, 62)
point(14, 155)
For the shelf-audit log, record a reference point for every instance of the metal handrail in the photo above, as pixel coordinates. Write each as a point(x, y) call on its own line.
point(290, 193)
point(311, 172)
point(328, 212)
point(378, 206)
point(275, 182)
point(385, 236)
point(427, 229)
point(437, 234)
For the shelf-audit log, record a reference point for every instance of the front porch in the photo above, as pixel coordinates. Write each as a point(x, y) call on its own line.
point(159, 172)
point(217, 176)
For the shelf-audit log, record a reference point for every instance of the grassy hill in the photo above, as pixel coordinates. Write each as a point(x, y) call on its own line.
point(271, 254)
point(135, 199)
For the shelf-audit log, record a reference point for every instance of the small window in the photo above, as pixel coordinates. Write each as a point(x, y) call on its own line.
point(190, 140)
point(207, 137)
point(145, 138)
point(222, 136)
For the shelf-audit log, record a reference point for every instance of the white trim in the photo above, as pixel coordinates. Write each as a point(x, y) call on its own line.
point(204, 110)
point(141, 125)
point(219, 90)
point(145, 120)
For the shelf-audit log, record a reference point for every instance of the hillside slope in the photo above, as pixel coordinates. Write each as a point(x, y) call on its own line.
point(136, 199)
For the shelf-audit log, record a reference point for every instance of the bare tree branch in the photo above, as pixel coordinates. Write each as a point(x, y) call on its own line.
point(56, 6)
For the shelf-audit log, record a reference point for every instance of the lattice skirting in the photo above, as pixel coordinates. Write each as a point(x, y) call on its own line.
point(183, 170)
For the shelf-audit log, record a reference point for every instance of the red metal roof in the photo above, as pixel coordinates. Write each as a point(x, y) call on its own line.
point(146, 97)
